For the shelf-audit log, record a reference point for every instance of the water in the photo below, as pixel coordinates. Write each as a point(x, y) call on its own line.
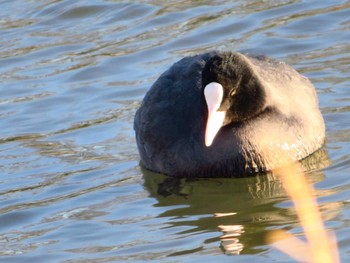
point(72, 75)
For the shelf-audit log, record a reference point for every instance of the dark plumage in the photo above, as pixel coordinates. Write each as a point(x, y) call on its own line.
point(269, 109)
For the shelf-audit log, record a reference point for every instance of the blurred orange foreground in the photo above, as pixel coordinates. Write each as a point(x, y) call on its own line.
point(321, 246)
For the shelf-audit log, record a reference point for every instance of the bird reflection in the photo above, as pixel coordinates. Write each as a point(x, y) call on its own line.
point(230, 239)
point(240, 210)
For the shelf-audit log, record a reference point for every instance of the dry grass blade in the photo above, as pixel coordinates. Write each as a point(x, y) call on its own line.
point(321, 247)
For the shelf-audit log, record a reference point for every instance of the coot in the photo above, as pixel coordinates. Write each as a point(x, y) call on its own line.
point(226, 114)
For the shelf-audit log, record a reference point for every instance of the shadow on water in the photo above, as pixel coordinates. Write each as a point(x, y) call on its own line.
point(241, 210)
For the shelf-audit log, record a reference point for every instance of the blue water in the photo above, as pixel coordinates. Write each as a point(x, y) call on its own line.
point(72, 75)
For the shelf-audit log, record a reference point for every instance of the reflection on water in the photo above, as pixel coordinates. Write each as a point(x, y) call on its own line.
point(243, 209)
point(72, 75)
point(230, 238)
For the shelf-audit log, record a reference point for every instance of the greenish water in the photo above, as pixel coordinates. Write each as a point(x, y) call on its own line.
point(72, 75)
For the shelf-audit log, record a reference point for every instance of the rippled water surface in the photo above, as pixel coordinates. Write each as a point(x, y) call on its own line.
point(72, 75)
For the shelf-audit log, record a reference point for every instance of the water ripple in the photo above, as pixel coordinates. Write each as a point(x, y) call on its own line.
point(73, 75)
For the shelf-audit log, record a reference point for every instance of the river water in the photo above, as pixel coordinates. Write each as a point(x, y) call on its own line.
point(72, 75)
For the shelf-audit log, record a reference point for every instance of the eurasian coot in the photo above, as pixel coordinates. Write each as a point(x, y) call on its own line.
point(223, 114)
